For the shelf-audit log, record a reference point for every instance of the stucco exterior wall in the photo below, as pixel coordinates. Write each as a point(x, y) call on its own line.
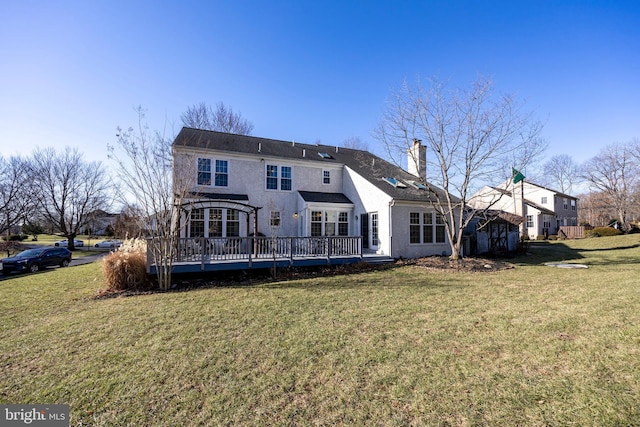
point(367, 198)
point(400, 235)
point(247, 175)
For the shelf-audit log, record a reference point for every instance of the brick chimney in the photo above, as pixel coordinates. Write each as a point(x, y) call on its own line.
point(417, 159)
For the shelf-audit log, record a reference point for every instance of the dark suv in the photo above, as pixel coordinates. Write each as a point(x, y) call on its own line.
point(33, 260)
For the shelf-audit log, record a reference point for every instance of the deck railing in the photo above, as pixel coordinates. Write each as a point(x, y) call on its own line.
point(215, 249)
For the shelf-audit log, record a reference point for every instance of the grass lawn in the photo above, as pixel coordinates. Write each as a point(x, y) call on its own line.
point(535, 345)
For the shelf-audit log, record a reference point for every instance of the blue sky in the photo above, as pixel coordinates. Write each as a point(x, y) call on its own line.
point(309, 70)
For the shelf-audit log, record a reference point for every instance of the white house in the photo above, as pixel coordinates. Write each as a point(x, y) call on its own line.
point(245, 185)
point(544, 209)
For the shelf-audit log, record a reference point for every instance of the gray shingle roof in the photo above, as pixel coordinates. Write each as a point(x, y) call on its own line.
point(371, 167)
point(314, 196)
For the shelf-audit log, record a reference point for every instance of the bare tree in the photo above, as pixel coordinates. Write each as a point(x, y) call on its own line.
point(472, 137)
point(355, 143)
point(15, 198)
point(130, 223)
point(595, 209)
point(67, 188)
point(615, 172)
point(222, 118)
point(149, 180)
point(561, 173)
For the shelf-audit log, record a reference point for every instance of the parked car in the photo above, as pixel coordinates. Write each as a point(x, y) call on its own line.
point(64, 243)
point(109, 243)
point(33, 260)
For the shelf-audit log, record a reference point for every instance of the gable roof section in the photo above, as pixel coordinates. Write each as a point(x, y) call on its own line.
point(371, 167)
point(527, 201)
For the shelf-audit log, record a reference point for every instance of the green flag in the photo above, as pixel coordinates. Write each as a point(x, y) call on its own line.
point(517, 175)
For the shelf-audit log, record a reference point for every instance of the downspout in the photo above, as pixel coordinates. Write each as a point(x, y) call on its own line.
point(392, 203)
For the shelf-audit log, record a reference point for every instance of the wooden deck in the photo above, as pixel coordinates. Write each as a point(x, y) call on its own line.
point(239, 253)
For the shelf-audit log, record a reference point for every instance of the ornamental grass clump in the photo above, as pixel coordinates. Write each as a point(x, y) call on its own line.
point(126, 268)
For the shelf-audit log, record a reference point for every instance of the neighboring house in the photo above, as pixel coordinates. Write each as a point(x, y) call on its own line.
point(245, 185)
point(98, 222)
point(545, 210)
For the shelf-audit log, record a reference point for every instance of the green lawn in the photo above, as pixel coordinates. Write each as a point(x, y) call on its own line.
point(535, 345)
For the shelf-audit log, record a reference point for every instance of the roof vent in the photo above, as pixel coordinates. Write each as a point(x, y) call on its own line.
point(259, 147)
point(304, 152)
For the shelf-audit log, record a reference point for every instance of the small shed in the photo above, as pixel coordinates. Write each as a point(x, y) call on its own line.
point(493, 231)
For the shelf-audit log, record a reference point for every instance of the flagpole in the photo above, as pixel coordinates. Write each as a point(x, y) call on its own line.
point(518, 177)
point(524, 227)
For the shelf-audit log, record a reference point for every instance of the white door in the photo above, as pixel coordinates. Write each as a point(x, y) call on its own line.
point(373, 232)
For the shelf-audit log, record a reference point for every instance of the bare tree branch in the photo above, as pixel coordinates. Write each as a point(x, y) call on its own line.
point(615, 172)
point(473, 137)
point(67, 189)
point(151, 181)
point(15, 199)
point(222, 119)
point(561, 173)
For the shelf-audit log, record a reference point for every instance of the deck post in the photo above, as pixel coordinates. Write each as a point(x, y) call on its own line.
point(250, 249)
point(290, 251)
point(202, 253)
point(328, 249)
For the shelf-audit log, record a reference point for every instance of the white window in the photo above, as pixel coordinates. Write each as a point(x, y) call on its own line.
point(565, 204)
point(274, 221)
point(220, 175)
point(573, 205)
point(233, 223)
point(543, 200)
point(204, 171)
point(219, 222)
point(196, 223)
point(427, 227)
point(326, 177)
point(279, 177)
point(329, 223)
point(529, 221)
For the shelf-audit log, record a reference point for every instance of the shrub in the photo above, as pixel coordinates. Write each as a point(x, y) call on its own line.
point(603, 231)
point(15, 238)
point(554, 237)
point(126, 268)
point(540, 237)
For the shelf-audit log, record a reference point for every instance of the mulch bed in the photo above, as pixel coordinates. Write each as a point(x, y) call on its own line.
point(255, 277)
point(473, 265)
